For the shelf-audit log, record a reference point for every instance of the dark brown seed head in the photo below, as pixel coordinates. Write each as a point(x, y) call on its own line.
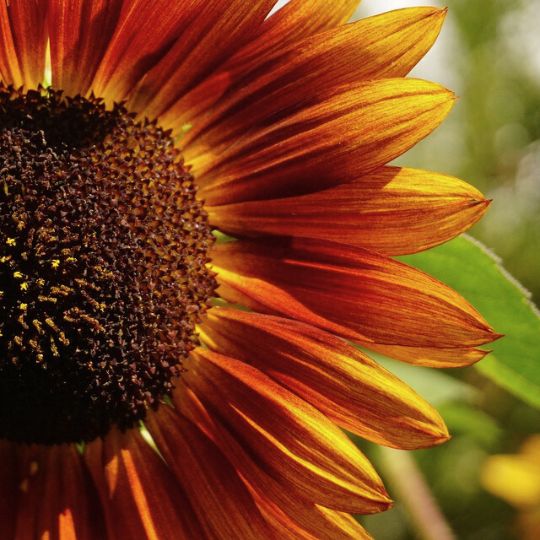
point(103, 267)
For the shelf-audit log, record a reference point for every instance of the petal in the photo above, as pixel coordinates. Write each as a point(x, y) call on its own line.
point(229, 23)
point(220, 500)
point(10, 72)
point(56, 498)
point(294, 440)
point(381, 303)
point(297, 20)
point(140, 498)
point(145, 31)
point(23, 41)
point(293, 22)
point(439, 357)
point(8, 487)
point(392, 211)
point(303, 74)
point(334, 377)
point(79, 33)
point(284, 508)
point(356, 130)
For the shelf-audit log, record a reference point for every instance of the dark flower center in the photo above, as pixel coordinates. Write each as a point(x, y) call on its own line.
point(103, 267)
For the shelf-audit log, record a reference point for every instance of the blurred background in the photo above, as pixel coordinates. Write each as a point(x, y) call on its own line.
point(489, 54)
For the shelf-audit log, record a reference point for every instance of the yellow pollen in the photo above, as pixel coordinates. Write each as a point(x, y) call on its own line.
point(17, 275)
point(11, 242)
point(22, 322)
point(55, 263)
point(37, 325)
point(62, 290)
point(51, 299)
point(50, 322)
point(54, 348)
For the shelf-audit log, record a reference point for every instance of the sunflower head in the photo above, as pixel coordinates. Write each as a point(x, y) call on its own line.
point(103, 253)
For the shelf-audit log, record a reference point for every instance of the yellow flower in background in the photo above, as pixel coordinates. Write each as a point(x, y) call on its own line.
point(515, 478)
point(166, 122)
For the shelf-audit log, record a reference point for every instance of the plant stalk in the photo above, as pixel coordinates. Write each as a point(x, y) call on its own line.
point(411, 489)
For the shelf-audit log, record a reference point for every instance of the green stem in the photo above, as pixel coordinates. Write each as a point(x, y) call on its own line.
point(411, 489)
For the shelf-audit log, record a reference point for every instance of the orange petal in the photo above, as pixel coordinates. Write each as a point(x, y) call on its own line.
point(79, 33)
point(23, 41)
point(347, 524)
point(297, 20)
point(392, 211)
point(220, 500)
point(231, 23)
point(144, 33)
point(136, 490)
point(10, 72)
point(334, 377)
point(381, 303)
point(294, 21)
point(295, 441)
point(282, 506)
point(303, 74)
point(356, 130)
point(440, 357)
point(55, 496)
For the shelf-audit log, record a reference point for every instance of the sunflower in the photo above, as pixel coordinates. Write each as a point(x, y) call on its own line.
point(156, 382)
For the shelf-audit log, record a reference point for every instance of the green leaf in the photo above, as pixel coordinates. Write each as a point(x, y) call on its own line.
point(462, 418)
point(471, 269)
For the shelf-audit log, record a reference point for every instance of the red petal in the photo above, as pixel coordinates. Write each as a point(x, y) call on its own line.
point(220, 500)
point(297, 443)
point(23, 40)
point(384, 304)
point(137, 492)
point(55, 495)
point(304, 73)
point(144, 33)
point(280, 503)
point(79, 33)
point(392, 211)
point(355, 130)
point(229, 23)
point(333, 376)
point(294, 22)
point(9, 489)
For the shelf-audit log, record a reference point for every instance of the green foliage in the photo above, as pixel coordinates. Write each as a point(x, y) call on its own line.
point(463, 419)
point(435, 386)
point(477, 274)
